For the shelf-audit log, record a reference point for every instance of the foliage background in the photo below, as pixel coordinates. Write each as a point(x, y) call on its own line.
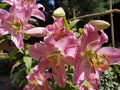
point(22, 64)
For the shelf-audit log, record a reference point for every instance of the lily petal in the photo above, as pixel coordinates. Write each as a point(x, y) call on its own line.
point(59, 75)
point(18, 40)
point(38, 14)
point(112, 53)
point(37, 32)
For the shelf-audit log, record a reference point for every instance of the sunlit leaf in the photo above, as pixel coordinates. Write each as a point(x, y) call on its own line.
point(86, 84)
point(28, 61)
point(73, 23)
point(3, 5)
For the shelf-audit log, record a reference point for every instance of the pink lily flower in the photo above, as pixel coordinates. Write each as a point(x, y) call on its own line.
point(92, 58)
point(52, 54)
point(57, 29)
point(38, 80)
point(29, 5)
point(3, 17)
point(91, 82)
point(9, 1)
point(15, 23)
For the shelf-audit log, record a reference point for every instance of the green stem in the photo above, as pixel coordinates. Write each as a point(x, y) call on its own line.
point(66, 23)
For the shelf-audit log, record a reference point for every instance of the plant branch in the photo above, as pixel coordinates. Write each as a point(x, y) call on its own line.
point(97, 14)
point(112, 24)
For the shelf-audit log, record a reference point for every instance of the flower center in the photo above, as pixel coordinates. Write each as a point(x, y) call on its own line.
point(27, 2)
point(53, 56)
point(17, 25)
point(34, 82)
point(37, 85)
point(97, 60)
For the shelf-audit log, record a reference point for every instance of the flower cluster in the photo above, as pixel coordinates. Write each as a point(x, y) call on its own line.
point(15, 21)
point(60, 47)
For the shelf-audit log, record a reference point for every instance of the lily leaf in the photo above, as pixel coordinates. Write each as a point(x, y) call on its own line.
point(3, 5)
point(28, 61)
point(73, 23)
point(86, 84)
point(16, 65)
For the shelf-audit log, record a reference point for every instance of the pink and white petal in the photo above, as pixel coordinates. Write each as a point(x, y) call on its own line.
point(43, 65)
point(37, 32)
point(49, 41)
point(29, 87)
point(90, 33)
point(94, 80)
point(103, 38)
point(8, 1)
point(3, 31)
point(18, 40)
point(38, 14)
point(38, 6)
point(50, 28)
point(112, 53)
point(59, 75)
point(70, 61)
point(28, 26)
point(90, 36)
point(67, 41)
point(37, 51)
point(4, 14)
point(82, 71)
point(72, 51)
point(79, 75)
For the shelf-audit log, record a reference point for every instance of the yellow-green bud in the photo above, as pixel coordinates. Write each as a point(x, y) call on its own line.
point(99, 24)
point(59, 12)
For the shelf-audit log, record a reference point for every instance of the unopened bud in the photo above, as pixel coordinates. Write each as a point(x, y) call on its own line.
point(99, 24)
point(59, 12)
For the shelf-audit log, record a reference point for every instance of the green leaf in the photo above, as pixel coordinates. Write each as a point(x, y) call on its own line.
point(28, 61)
point(3, 5)
point(18, 75)
point(16, 65)
point(22, 83)
point(73, 23)
point(86, 84)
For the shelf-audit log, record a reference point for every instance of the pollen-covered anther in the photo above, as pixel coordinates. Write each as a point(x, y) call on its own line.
point(34, 82)
point(54, 56)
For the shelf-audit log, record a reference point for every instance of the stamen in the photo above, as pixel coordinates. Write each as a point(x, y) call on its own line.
point(53, 56)
point(97, 61)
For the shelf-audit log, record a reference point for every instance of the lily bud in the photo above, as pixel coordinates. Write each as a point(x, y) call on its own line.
point(59, 12)
point(99, 24)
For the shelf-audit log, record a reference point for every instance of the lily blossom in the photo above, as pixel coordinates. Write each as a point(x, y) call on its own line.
point(58, 30)
point(15, 23)
point(29, 5)
point(93, 58)
point(38, 80)
point(91, 82)
point(3, 17)
point(50, 55)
